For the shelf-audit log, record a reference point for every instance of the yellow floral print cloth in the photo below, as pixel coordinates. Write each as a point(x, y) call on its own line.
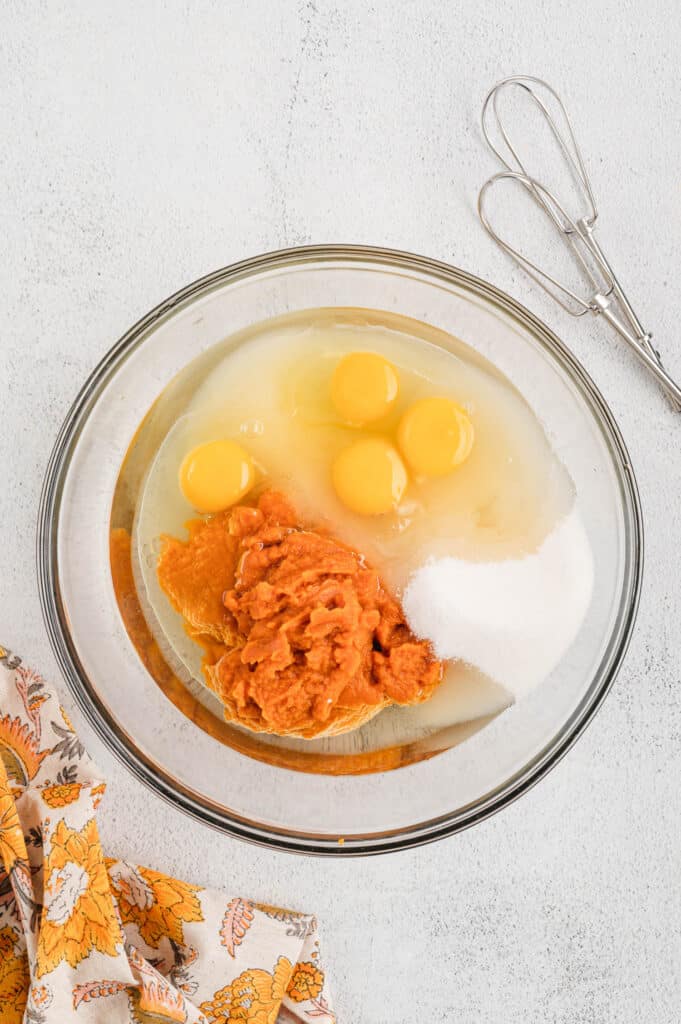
point(88, 939)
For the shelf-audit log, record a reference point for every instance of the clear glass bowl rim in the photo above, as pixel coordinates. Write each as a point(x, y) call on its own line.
point(143, 767)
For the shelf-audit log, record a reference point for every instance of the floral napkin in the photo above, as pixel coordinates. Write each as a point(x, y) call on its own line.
point(87, 939)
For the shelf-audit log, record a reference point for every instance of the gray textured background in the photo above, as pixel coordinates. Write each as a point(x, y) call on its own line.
point(145, 144)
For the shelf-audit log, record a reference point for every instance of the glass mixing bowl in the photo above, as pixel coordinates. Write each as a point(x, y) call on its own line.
point(310, 799)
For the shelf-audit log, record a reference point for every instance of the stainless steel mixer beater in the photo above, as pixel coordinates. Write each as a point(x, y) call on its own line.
point(605, 297)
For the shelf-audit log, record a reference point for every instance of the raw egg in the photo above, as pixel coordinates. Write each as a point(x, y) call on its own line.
point(435, 436)
point(270, 388)
point(215, 475)
point(364, 387)
point(271, 393)
point(369, 477)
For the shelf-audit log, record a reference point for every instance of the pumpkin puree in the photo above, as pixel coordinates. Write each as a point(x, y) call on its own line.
point(301, 637)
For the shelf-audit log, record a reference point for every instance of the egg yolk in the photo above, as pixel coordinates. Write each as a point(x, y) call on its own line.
point(215, 475)
point(369, 477)
point(435, 436)
point(364, 387)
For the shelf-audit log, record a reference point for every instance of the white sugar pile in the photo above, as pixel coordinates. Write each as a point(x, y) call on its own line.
point(514, 619)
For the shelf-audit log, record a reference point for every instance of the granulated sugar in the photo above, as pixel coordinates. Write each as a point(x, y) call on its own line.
point(513, 619)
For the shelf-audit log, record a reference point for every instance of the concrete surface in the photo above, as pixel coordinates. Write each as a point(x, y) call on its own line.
point(145, 144)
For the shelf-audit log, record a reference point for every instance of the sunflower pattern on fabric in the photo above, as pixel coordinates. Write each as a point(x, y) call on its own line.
point(89, 939)
point(78, 913)
point(158, 905)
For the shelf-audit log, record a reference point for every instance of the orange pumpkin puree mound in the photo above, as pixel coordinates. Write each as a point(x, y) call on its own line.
point(301, 636)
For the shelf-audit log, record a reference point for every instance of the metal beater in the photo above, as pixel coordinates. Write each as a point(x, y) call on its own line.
point(605, 296)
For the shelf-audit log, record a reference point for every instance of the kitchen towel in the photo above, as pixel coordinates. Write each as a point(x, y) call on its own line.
point(89, 939)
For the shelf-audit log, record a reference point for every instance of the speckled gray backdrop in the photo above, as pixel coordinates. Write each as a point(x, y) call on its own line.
point(145, 144)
